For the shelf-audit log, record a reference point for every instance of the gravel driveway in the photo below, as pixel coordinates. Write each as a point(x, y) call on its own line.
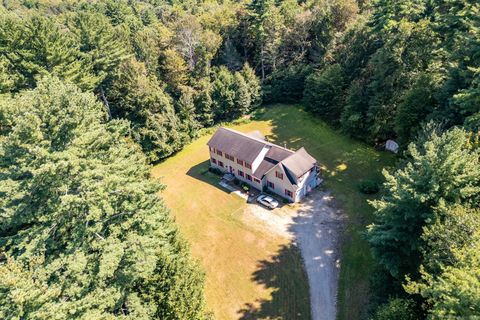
point(314, 225)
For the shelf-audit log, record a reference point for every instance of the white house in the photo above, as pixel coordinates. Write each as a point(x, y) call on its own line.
point(261, 164)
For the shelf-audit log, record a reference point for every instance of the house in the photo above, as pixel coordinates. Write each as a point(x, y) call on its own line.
point(264, 165)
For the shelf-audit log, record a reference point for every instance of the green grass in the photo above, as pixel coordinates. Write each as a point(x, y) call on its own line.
point(250, 274)
point(254, 275)
point(346, 163)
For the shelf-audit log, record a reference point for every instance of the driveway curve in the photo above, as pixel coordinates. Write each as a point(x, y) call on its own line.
point(314, 225)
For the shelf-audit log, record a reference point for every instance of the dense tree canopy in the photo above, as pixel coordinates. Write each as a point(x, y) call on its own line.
point(83, 233)
point(73, 175)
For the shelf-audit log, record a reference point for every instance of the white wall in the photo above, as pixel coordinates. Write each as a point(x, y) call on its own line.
point(280, 184)
point(227, 163)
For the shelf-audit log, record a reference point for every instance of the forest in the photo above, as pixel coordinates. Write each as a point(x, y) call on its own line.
point(93, 92)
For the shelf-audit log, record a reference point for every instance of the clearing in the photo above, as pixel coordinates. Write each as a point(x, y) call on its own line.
point(256, 273)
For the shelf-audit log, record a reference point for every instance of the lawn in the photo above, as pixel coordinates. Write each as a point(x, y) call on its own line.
point(254, 275)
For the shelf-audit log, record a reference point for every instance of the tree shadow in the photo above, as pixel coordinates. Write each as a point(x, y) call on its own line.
point(284, 274)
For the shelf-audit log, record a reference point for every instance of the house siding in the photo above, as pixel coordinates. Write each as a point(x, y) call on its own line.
point(301, 186)
point(227, 163)
point(279, 184)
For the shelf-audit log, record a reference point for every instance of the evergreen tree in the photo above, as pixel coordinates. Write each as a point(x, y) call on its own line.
point(83, 232)
point(104, 45)
point(203, 102)
point(36, 46)
point(450, 279)
point(223, 94)
point(443, 169)
point(138, 97)
point(418, 103)
point(323, 93)
point(242, 95)
point(189, 124)
point(253, 85)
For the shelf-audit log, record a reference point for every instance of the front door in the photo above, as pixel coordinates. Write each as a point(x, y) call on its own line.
point(230, 169)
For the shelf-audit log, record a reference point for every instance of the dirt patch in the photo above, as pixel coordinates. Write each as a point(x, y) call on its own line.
point(314, 226)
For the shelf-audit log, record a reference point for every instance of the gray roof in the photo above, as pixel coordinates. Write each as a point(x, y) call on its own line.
point(300, 162)
point(263, 168)
point(278, 153)
point(237, 144)
point(247, 147)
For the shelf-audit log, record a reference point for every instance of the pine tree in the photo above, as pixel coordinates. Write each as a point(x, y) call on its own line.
point(223, 94)
point(443, 168)
point(189, 124)
point(323, 93)
point(450, 279)
point(139, 97)
point(104, 45)
point(36, 46)
point(83, 232)
point(242, 95)
point(203, 102)
point(253, 84)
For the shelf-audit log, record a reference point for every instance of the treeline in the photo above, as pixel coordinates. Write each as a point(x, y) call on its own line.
point(399, 65)
point(149, 64)
point(426, 235)
point(91, 91)
point(83, 234)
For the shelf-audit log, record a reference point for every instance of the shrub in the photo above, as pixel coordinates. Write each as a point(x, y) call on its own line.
point(396, 309)
point(215, 171)
point(236, 181)
point(369, 187)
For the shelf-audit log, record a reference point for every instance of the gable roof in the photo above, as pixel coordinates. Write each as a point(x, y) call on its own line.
point(278, 153)
point(247, 147)
point(237, 144)
point(300, 162)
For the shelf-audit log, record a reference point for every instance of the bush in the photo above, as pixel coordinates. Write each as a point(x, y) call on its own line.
point(396, 309)
point(369, 187)
point(245, 187)
point(215, 171)
point(236, 181)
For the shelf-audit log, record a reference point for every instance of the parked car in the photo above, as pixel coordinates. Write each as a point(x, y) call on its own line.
point(267, 201)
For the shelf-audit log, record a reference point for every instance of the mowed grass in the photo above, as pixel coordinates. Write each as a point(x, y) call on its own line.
point(346, 162)
point(253, 275)
point(250, 274)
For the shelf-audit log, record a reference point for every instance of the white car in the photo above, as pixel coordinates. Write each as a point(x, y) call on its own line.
point(267, 201)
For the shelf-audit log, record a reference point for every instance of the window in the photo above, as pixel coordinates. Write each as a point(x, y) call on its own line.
point(214, 161)
point(248, 165)
point(240, 162)
point(279, 175)
point(210, 148)
point(249, 177)
point(270, 185)
point(229, 157)
point(220, 163)
point(240, 173)
point(288, 193)
point(256, 180)
point(219, 153)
